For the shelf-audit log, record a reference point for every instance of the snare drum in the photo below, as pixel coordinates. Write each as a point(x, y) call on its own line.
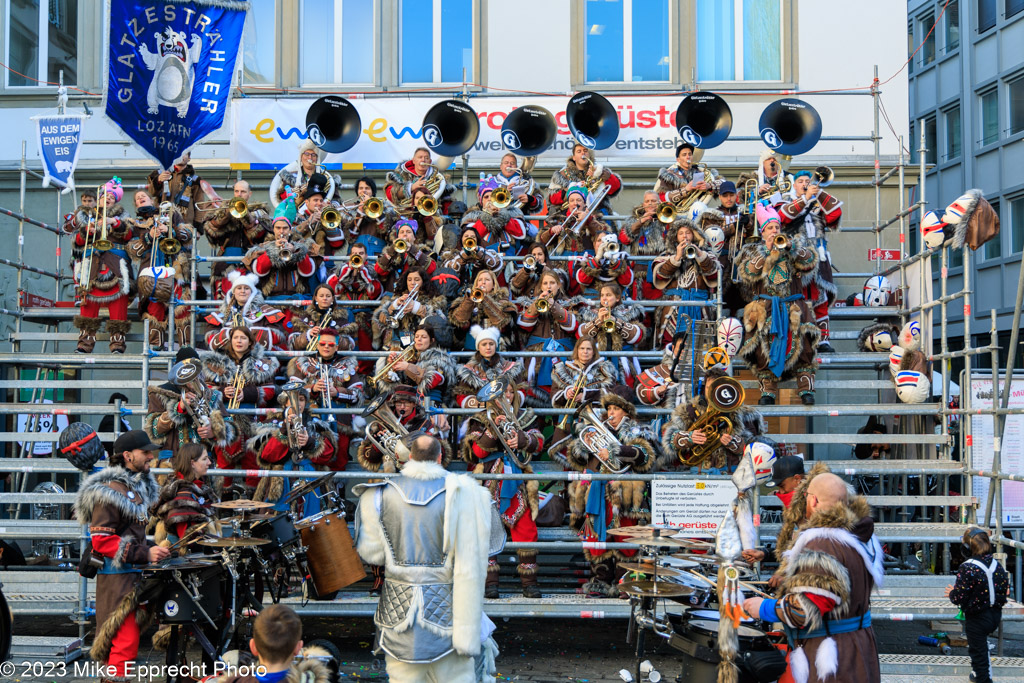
point(702, 593)
point(333, 561)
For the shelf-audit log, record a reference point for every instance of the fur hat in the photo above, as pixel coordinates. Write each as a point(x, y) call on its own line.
point(309, 146)
point(480, 333)
point(619, 395)
point(765, 155)
point(405, 392)
point(488, 184)
point(673, 230)
point(237, 278)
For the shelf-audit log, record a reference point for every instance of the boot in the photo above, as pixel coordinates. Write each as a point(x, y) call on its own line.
point(805, 384)
point(528, 573)
point(118, 329)
point(491, 584)
point(156, 337)
point(87, 336)
point(823, 345)
point(181, 333)
point(769, 386)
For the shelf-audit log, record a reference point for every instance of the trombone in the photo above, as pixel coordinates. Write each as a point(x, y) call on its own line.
point(324, 321)
point(169, 245)
point(238, 208)
point(501, 198)
point(577, 391)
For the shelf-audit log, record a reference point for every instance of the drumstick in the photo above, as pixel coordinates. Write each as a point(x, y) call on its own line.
point(188, 536)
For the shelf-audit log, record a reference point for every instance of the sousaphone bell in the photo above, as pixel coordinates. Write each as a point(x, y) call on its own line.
point(450, 128)
point(592, 120)
point(529, 130)
point(789, 127)
point(333, 124)
point(704, 120)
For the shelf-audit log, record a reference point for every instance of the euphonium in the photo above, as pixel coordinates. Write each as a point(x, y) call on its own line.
point(356, 260)
point(781, 242)
point(401, 246)
point(293, 422)
point(186, 376)
point(477, 296)
point(330, 218)
point(595, 436)
point(724, 395)
point(543, 305)
point(238, 208)
point(501, 197)
point(374, 208)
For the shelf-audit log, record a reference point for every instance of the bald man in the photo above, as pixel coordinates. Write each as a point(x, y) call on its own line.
point(827, 578)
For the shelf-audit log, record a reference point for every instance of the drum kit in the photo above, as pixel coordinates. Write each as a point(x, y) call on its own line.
point(211, 594)
point(688, 579)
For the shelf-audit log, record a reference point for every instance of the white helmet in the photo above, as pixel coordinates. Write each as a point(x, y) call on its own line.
point(730, 335)
point(895, 356)
point(932, 230)
point(877, 291)
point(910, 336)
point(913, 386)
point(714, 238)
point(696, 209)
point(762, 456)
point(880, 341)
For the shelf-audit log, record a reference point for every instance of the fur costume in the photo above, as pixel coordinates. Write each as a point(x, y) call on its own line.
point(570, 175)
point(186, 502)
point(307, 668)
point(774, 273)
point(431, 360)
point(796, 514)
point(494, 311)
point(115, 501)
point(258, 372)
point(584, 242)
point(472, 376)
point(372, 460)
point(224, 230)
point(284, 277)
point(629, 320)
point(643, 238)
point(172, 429)
point(673, 177)
point(494, 222)
point(292, 176)
point(321, 436)
point(262, 319)
point(747, 423)
point(600, 373)
point(400, 181)
point(307, 318)
point(384, 336)
point(110, 275)
point(973, 220)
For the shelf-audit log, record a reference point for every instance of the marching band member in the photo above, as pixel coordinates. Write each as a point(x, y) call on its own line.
point(527, 278)
point(321, 314)
point(403, 254)
point(471, 259)
point(517, 501)
point(185, 502)
point(355, 279)
point(575, 239)
point(429, 368)
point(608, 265)
point(298, 173)
point(284, 262)
point(738, 229)
point(398, 316)
point(294, 440)
point(233, 236)
point(414, 179)
point(183, 188)
point(595, 507)
point(547, 323)
point(485, 304)
point(576, 382)
point(770, 178)
point(171, 423)
point(364, 230)
point(486, 365)
point(404, 401)
point(501, 229)
point(614, 326)
point(686, 271)
point(512, 175)
point(244, 304)
point(811, 214)
point(680, 438)
point(782, 336)
point(107, 277)
point(115, 503)
point(656, 386)
point(150, 227)
point(242, 368)
point(678, 180)
point(311, 203)
point(644, 235)
point(331, 381)
point(580, 169)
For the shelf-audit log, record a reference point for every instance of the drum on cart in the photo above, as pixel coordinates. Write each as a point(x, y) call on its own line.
point(183, 589)
point(758, 661)
point(332, 558)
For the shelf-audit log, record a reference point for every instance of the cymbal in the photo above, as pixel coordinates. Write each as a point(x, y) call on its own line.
point(654, 589)
point(657, 542)
point(644, 568)
point(242, 504)
point(252, 518)
point(640, 530)
point(233, 542)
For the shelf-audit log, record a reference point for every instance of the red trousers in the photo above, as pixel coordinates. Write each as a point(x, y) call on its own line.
point(124, 648)
point(118, 308)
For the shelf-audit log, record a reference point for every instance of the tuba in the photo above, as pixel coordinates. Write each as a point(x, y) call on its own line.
point(790, 127)
point(185, 376)
point(492, 397)
point(293, 418)
point(595, 435)
point(529, 130)
point(724, 395)
point(391, 430)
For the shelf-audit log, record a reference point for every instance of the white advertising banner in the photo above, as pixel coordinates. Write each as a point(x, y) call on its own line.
point(696, 507)
point(1011, 447)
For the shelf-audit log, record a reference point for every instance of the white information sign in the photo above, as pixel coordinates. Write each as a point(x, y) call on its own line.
point(695, 506)
point(46, 424)
point(1012, 449)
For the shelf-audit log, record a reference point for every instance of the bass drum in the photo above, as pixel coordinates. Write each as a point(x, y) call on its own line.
point(330, 554)
point(156, 284)
point(6, 628)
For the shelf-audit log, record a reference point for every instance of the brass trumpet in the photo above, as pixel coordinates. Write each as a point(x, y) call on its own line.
point(238, 208)
point(330, 218)
point(374, 208)
point(691, 251)
point(356, 260)
point(609, 325)
point(401, 246)
point(469, 244)
point(667, 212)
point(781, 242)
point(501, 197)
point(427, 206)
point(530, 263)
point(405, 356)
point(477, 296)
point(543, 305)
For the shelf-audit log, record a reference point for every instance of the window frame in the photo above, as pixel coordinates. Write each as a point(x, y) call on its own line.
point(278, 49)
point(954, 5)
point(1006, 10)
point(337, 60)
point(925, 22)
point(1010, 81)
point(996, 240)
point(992, 89)
point(947, 113)
point(627, 45)
point(977, 16)
point(43, 48)
point(1010, 202)
point(931, 153)
point(475, 45)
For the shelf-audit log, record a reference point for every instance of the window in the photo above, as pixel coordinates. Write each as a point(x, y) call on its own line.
point(952, 124)
point(258, 43)
point(989, 117)
point(739, 40)
point(437, 40)
point(951, 17)
point(930, 141)
point(1013, 6)
point(914, 144)
point(993, 248)
point(42, 41)
point(911, 44)
point(925, 27)
point(337, 42)
point(1015, 89)
point(627, 41)
point(1016, 225)
point(986, 15)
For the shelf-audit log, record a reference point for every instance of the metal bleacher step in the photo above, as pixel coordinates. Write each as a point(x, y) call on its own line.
point(101, 337)
point(61, 649)
point(947, 665)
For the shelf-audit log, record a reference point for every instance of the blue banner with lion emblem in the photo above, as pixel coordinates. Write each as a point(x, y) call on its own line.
point(170, 68)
